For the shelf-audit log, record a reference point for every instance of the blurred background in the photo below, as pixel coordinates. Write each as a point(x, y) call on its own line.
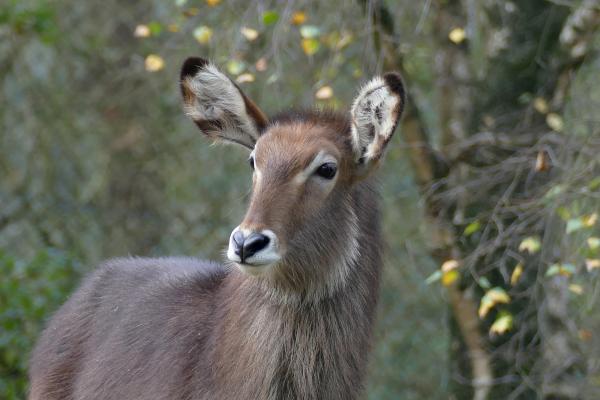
point(491, 187)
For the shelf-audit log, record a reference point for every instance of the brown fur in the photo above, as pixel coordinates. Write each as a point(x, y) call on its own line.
point(186, 329)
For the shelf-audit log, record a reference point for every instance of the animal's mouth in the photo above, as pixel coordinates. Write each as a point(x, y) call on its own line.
point(254, 269)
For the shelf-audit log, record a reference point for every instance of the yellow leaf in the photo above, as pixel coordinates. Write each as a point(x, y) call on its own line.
point(141, 31)
point(492, 297)
point(310, 46)
point(590, 220)
point(337, 40)
point(154, 63)
point(324, 93)
point(530, 244)
point(244, 78)
point(173, 28)
point(575, 288)
point(235, 67)
point(298, 18)
point(591, 264)
point(203, 34)
point(213, 3)
point(249, 33)
point(261, 65)
point(555, 122)
point(502, 324)
point(484, 307)
point(449, 277)
point(457, 35)
point(345, 40)
point(516, 275)
point(498, 295)
point(540, 105)
point(593, 242)
point(449, 265)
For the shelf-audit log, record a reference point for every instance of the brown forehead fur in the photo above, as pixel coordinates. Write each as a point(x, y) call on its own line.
point(291, 141)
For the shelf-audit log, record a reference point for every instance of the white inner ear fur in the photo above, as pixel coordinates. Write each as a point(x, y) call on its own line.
point(366, 120)
point(216, 98)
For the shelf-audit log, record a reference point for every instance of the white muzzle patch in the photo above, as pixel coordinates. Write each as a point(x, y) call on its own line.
point(261, 260)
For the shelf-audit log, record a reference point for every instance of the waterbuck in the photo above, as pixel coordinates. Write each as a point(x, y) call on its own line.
point(290, 315)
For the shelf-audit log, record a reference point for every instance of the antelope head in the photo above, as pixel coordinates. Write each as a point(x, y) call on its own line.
point(305, 168)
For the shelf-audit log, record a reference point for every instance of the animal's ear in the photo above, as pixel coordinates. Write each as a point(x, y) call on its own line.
point(218, 106)
point(375, 115)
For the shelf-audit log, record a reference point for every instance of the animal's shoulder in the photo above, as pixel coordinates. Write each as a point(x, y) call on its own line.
point(133, 274)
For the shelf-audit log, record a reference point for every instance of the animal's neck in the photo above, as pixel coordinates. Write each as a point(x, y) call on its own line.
point(307, 346)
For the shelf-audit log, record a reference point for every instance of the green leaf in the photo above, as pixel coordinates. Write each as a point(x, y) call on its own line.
point(563, 213)
point(553, 270)
point(270, 17)
point(561, 269)
point(525, 98)
point(574, 224)
point(594, 183)
point(436, 276)
point(472, 228)
point(484, 283)
point(554, 192)
point(155, 28)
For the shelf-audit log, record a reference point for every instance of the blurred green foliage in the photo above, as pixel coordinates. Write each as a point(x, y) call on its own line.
point(33, 18)
point(30, 291)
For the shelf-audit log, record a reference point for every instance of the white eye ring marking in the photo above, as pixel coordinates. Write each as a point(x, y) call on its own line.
point(321, 158)
point(255, 169)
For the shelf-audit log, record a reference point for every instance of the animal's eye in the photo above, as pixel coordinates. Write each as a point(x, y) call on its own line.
point(251, 162)
point(327, 170)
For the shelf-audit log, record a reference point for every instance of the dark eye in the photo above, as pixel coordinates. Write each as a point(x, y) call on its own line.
point(327, 170)
point(251, 162)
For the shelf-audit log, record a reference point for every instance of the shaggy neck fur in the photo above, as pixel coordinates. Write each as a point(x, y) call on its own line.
point(310, 344)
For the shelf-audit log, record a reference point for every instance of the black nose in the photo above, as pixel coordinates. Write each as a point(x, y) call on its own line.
point(247, 247)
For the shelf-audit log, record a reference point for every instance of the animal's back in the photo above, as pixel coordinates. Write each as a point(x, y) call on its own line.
point(136, 328)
